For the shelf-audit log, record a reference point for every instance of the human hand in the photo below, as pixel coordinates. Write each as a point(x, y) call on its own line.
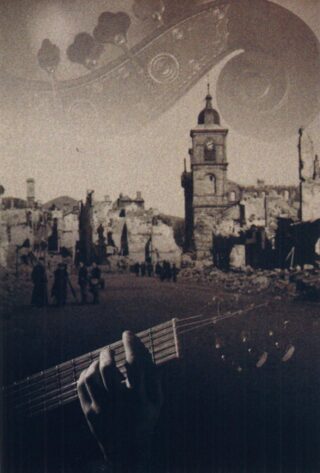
point(122, 411)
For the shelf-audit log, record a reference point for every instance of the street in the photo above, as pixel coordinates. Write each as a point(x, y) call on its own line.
point(216, 399)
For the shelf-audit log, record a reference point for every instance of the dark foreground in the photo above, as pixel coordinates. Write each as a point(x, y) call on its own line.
point(218, 416)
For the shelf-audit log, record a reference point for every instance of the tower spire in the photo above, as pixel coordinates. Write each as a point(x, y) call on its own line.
point(208, 116)
point(208, 96)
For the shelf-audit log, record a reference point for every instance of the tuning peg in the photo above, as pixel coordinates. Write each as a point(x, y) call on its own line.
point(259, 358)
point(288, 353)
point(262, 359)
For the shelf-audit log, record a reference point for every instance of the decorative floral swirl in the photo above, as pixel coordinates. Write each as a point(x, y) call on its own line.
point(270, 83)
point(273, 85)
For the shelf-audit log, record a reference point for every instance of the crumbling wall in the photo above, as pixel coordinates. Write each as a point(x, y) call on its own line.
point(142, 225)
point(278, 207)
point(69, 231)
point(214, 221)
point(255, 210)
point(309, 179)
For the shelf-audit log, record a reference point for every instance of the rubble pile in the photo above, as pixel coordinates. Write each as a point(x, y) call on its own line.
point(304, 283)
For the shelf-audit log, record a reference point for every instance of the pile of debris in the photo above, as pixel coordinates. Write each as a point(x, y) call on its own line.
point(300, 283)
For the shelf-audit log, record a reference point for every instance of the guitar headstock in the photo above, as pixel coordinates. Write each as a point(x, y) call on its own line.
point(255, 345)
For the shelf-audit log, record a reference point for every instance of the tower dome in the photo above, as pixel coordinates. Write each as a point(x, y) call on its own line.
point(208, 116)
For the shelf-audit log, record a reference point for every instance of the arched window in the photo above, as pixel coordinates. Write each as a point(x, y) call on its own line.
point(213, 180)
point(232, 196)
point(209, 150)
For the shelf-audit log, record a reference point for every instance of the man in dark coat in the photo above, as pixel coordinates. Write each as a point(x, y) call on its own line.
point(40, 282)
point(95, 278)
point(83, 282)
point(174, 272)
point(60, 286)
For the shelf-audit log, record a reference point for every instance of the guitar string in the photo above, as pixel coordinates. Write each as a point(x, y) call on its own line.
point(64, 384)
point(53, 370)
point(73, 396)
point(181, 325)
point(73, 367)
point(159, 343)
point(43, 404)
point(72, 393)
point(31, 379)
point(36, 382)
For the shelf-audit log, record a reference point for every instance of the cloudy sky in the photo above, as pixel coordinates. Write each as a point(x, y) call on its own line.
point(68, 162)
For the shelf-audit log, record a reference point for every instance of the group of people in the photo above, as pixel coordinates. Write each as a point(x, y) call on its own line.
point(164, 270)
point(91, 280)
point(87, 280)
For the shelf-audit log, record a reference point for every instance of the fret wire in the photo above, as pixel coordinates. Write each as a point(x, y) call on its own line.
point(74, 372)
point(60, 391)
point(64, 376)
point(57, 400)
point(69, 398)
point(119, 362)
point(114, 346)
point(52, 371)
point(151, 344)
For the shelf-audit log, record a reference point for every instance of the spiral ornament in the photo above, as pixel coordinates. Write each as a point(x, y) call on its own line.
point(134, 67)
point(271, 88)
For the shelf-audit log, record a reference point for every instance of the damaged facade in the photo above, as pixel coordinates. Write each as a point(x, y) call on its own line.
point(126, 228)
point(96, 229)
point(227, 221)
point(29, 229)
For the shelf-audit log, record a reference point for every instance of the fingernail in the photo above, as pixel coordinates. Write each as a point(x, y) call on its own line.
point(129, 336)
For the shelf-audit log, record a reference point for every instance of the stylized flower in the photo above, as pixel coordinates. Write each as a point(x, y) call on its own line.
point(48, 56)
point(84, 50)
point(112, 28)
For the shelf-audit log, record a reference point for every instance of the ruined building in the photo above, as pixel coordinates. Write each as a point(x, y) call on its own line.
point(209, 201)
point(309, 168)
point(216, 207)
point(124, 228)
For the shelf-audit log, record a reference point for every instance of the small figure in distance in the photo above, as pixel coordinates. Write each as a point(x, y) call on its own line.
point(83, 282)
point(40, 285)
point(122, 411)
point(59, 289)
point(174, 272)
point(95, 278)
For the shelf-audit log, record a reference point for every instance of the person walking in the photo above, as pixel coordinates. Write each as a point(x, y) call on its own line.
point(39, 278)
point(83, 282)
point(60, 285)
point(95, 277)
point(174, 272)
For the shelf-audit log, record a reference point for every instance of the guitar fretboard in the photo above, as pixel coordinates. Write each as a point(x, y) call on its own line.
point(57, 386)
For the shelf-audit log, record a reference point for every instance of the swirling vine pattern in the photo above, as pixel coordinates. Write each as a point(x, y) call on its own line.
point(270, 82)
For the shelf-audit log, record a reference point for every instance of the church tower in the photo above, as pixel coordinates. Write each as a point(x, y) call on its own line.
point(206, 186)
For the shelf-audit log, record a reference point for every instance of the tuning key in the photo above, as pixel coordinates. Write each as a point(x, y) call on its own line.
point(262, 359)
point(288, 353)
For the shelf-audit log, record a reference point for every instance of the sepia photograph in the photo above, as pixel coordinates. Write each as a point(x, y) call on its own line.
point(160, 236)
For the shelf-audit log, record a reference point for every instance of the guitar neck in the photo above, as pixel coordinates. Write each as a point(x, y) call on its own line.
point(57, 386)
